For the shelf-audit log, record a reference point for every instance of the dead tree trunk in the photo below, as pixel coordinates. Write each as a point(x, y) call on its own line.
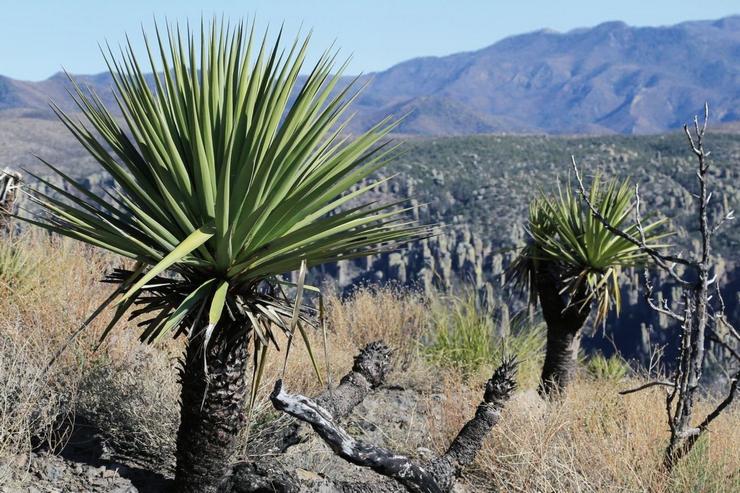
point(702, 313)
point(435, 477)
point(9, 183)
point(402, 474)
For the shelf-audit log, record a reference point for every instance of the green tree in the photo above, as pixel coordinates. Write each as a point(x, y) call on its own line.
point(231, 170)
point(571, 266)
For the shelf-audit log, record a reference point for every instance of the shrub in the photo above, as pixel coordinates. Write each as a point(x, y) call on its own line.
point(466, 336)
point(611, 368)
point(30, 406)
point(138, 417)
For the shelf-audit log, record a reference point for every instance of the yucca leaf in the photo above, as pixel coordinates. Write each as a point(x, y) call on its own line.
point(217, 303)
point(184, 309)
point(193, 241)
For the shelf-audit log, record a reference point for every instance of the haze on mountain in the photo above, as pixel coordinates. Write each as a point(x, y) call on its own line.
point(611, 78)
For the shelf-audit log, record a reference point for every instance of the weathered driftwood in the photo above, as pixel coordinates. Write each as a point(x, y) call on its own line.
point(435, 477)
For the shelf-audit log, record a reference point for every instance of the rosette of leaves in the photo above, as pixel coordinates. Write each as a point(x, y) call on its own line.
point(572, 264)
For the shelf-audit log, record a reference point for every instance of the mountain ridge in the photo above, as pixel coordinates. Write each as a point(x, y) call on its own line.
point(610, 78)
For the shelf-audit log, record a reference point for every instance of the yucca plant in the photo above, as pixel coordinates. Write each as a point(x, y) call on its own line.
point(231, 170)
point(571, 266)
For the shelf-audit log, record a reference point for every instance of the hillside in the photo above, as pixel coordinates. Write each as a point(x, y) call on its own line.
point(230, 285)
point(612, 78)
point(121, 402)
point(478, 189)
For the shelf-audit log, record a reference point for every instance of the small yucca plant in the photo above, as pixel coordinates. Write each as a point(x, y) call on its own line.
point(573, 262)
point(613, 368)
point(231, 170)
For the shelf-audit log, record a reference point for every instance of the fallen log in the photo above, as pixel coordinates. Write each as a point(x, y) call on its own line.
point(435, 477)
point(400, 473)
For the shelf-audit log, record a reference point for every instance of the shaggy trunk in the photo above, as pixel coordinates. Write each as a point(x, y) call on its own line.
point(564, 322)
point(211, 409)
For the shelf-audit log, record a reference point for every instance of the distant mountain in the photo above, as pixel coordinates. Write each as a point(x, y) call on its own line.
point(611, 78)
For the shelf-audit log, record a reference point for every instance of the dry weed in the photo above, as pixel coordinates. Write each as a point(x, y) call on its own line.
point(592, 440)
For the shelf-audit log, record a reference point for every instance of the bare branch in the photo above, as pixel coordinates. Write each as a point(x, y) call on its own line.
point(691, 139)
point(733, 331)
point(716, 338)
point(730, 216)
point(665, 309)
point(722, 405)
point(647, 386)
point(662, 260)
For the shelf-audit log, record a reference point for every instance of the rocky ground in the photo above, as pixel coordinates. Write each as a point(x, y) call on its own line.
point(85, 465)
point(47, 473)
point(394, 416)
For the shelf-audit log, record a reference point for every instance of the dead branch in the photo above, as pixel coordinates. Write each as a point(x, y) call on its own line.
point(702, 313)
point(650, 299)
point(714, 337)
point(468, 442)
point(647, 386)
point(383, 461)
point(437, 476)
point(652, 252)
point(368, 372)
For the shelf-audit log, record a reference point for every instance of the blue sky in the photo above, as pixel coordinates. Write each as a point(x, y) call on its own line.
point(38, 37)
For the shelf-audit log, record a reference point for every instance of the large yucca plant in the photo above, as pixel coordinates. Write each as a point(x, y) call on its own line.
point(572, 263)
point(231, 169)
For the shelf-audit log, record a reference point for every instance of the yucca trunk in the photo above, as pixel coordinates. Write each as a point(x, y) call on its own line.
point(564, 322)
point(211, 414)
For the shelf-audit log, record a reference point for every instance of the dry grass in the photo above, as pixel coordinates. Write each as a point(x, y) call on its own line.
point(123, 387)
point(30, 408)
point(593, 440)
